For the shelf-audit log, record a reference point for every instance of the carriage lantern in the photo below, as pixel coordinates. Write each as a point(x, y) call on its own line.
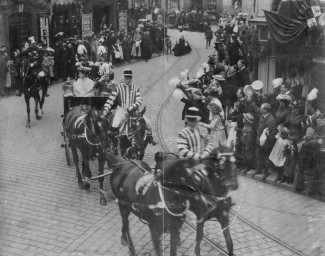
point(67, 88)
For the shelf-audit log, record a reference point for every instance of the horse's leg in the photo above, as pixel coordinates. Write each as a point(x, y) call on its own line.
point(101, 163)
point(76, 163)
point(224, 221)
point(175, 235)
point(85, 169)
point(37, 100)
point(42, 99)
point(156, 230)
point(28, 110)
point(126, 237)
point(199, 237)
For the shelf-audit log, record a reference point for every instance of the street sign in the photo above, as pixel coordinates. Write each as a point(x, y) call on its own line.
point(21, 8)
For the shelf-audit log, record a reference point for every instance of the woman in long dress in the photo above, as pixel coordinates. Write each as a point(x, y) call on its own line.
point(182, 46)
point(136, 47)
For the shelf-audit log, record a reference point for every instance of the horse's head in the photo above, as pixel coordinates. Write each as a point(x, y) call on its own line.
point(223, 163)
point(99, 127)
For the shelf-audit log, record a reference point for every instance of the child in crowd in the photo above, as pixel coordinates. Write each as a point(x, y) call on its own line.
point(278, 156)
point(248, 139)
point(216, 125)
point(168, 43)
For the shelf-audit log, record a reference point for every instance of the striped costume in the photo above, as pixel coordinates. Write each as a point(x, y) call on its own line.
point(128, 97)
point(193, 144)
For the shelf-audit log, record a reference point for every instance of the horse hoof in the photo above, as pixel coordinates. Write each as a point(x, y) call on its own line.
point(124, 241)
point(80, 184)
point(103, 201)
point(28, 125)
point(38, 117)
point(85, 185)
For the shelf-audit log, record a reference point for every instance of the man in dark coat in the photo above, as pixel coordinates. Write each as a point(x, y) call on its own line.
point(263, 151)
point(243, 74)
point(234, 50)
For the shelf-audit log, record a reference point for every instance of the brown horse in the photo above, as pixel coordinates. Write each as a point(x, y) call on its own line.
point(220, 167)
point(165, 202)
point(87, 132)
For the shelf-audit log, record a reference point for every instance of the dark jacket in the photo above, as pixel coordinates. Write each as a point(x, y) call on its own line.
point(270, 123)
point(243, 77)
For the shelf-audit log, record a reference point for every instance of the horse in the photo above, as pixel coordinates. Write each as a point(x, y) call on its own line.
point(220, 166)
point(32, 84)
point(87, 132)
point(166, 198)
point(132, 140)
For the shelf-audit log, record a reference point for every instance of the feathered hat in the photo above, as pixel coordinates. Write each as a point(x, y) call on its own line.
point(313, 94)
point(277, 82)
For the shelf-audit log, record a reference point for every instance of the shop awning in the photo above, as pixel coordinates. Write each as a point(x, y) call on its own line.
point(283, 28)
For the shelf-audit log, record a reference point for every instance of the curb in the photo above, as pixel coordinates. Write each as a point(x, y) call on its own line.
point(289, 187)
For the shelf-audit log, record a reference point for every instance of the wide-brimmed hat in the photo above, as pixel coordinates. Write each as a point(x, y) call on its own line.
point(277, 82)
point(127, 73)
point(266, 106)
point(218, 77)
point(249, 117)
point(193, 114)
point(284, 98)
point(257, 85)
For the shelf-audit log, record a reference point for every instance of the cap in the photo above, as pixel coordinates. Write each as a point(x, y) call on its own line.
point(127, 73)
point(193, 113)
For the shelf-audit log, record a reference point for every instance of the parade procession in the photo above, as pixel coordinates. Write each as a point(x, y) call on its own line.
point(162, 127)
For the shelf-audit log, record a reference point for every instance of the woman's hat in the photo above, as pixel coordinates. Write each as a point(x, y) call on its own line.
point(192, 114)
point(127, 73)
point(248, 90)
point(249, 117)
point(218, 77)
point(284, 98)
point(257, 85)
point(277, 82)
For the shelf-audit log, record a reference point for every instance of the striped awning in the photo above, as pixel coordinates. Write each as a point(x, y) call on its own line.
point(63, 1)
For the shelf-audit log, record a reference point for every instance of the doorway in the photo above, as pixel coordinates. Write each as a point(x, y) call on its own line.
point(20, 28)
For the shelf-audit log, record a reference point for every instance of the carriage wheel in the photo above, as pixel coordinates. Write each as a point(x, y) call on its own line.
point(66, 147)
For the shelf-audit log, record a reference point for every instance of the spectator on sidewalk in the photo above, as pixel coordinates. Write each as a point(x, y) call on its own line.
point(208, 37)
point(146, 45)
point(3, 70)
point(127, 48)
point(136, 47)
point(267, 128)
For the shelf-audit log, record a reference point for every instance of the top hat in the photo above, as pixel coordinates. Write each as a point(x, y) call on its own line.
point(192, 114)
point(127, 73)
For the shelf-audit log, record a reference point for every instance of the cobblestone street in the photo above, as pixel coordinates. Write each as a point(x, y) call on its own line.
point(43, 212)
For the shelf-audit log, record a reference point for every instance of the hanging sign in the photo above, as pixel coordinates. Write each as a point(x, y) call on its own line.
point(122, 20)
point(86, 24)
point(21, 8)
point(44, 30)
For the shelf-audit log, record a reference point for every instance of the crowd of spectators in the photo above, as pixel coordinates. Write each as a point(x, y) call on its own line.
point(282, 130)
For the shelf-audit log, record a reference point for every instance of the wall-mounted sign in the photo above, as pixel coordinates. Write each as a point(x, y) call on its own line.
point(86, 24)
point(122, 20)
point(44, 30)
point(21, 8)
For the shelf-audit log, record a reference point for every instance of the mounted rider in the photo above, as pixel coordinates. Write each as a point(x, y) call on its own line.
point(129, 100)
point(193, 142)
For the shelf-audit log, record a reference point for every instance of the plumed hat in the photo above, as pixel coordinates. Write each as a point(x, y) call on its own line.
point(313, 94)
point(277, 82)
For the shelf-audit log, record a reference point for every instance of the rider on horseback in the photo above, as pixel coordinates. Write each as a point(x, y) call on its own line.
point(36, 69)
point(129, 100)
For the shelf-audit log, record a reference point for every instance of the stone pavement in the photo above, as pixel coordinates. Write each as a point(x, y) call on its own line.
point(43, 212)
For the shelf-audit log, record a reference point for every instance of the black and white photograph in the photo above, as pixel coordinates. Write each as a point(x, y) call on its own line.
point(162, 127)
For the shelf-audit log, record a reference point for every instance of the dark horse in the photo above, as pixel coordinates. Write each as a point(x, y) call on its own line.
point(167, 198)
point(222, 176)
point(87, 132)
point(32, 84)
point(132, 140)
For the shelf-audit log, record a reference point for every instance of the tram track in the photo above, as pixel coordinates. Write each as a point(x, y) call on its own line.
point(240, 218)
